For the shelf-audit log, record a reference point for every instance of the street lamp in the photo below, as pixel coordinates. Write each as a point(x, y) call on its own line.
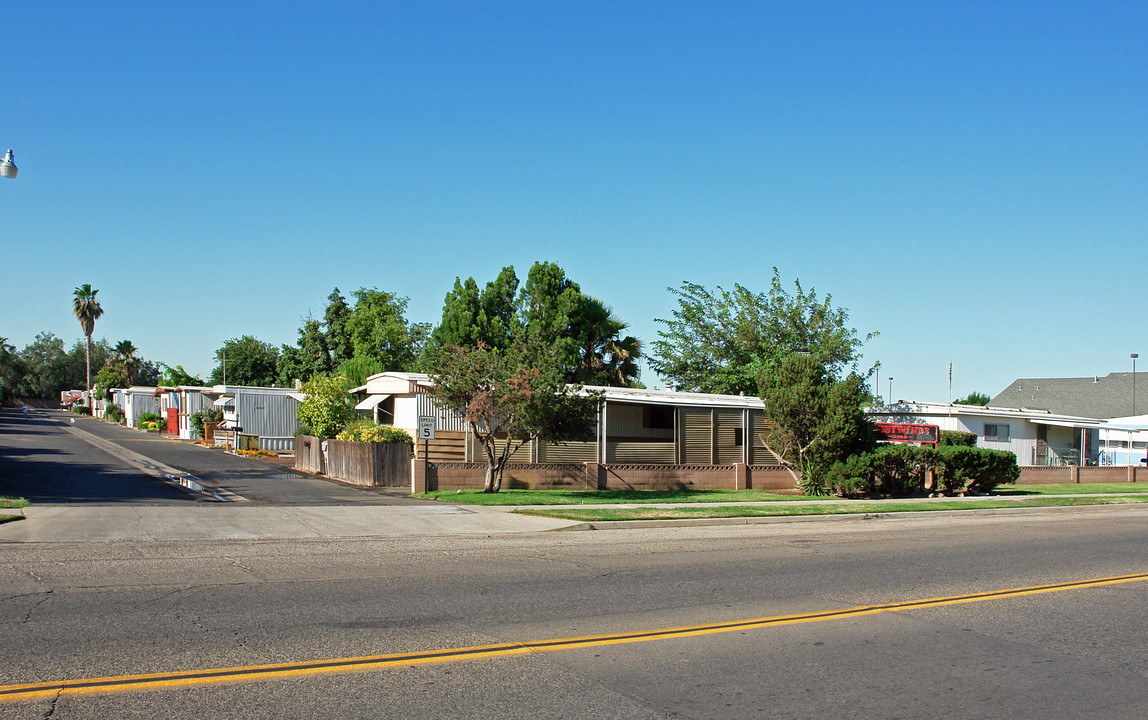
point(8, 167)
point(890, 389)
point(1134, 356)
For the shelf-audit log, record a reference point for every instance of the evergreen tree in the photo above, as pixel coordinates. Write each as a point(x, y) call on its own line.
point(335, 318)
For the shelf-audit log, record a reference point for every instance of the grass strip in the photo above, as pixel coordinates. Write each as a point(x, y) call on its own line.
point(7, 502)
point(1072, 489)
point(590, 514)
point(644, 497)
point(607, 497)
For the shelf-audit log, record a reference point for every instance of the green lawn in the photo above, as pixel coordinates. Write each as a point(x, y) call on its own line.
point(585, 514)
point(7, 502)
point(1072, 489)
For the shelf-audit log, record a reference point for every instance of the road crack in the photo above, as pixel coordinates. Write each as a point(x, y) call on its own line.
point(52, 706)
point(47, 594)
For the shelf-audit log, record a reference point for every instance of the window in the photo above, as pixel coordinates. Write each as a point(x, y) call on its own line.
point(738, 437)
point(998, 433)
point(658, 417)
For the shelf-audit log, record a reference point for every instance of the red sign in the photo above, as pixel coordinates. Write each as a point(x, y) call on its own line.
point(908, 433)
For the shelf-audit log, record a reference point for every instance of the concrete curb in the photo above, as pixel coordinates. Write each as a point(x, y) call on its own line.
point(840, 517)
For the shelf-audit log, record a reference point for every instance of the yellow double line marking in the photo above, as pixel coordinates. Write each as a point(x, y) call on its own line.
point(169, 680)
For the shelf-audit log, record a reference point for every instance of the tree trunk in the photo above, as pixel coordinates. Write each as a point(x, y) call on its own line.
point(88, 367)
point(498, 478)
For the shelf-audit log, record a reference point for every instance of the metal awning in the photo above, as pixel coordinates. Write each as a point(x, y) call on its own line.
point(371, 402)
point(1083, 424)
point(297, 396)
point(225, 400)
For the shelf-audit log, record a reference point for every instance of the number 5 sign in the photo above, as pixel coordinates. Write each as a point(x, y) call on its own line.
point(426, 427)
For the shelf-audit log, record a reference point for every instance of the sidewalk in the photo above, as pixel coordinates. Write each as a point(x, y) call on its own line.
point(241, 521)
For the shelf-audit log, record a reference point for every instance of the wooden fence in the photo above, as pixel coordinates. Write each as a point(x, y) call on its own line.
point(367, 464)
point(309, 454)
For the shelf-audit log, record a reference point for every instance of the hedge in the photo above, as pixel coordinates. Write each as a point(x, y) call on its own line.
point(896, 470)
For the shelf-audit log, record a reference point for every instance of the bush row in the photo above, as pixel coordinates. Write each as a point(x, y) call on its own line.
point(900, 470)
point(368, 431)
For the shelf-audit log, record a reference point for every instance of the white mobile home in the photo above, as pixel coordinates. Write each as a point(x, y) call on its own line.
point(1036, 437)
point(1124, 441)
point(654, 427)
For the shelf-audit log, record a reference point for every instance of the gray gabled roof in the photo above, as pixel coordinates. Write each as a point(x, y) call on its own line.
point(1091, 397)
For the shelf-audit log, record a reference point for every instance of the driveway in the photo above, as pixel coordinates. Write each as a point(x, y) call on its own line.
point(55, 457)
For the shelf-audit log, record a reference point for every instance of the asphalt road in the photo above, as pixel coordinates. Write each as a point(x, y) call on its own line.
point(44, 460)
point(43, 463)
point(70, 612)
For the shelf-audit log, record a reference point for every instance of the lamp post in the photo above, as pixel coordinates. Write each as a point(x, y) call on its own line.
point(1134, 356)
point(890, 389)
point(8, 167)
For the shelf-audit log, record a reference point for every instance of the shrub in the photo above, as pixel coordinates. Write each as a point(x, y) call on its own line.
point(977, 469)
point(368, 431)
point(81, 409)
point(147, 421)
point(895, 470)
point(115, 413)
point(327, 407)
point(199, 417)
point(950, 438)
point(899, 470)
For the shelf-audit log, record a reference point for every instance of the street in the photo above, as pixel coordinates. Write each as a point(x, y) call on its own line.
point(78, 611)
point(40, 456)
point(353, 604)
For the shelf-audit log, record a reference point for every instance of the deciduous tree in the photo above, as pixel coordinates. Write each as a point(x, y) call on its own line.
point(728, 342)
point(380, 332)
point(250, 361)
point(511, 396)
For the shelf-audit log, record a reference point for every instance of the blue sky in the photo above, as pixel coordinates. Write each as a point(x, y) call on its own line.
point(968, 179)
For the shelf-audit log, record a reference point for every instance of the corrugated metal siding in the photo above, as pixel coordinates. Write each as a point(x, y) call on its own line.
point(278, 444)
point(759, 429)
point(640, 452)
point(266, 414)
point(628, 421)
point(445, 418)
point(475, 453)
point(696, 436)
point(568, 452)
point(138, 403)
point(728, 423)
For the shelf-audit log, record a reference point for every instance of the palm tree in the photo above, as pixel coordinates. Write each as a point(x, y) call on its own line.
point(128, 358)
point(606, 357)
point(87, 309)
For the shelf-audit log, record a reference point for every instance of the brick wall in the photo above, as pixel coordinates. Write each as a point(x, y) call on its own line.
point(591, 476)
point(1031, 475)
